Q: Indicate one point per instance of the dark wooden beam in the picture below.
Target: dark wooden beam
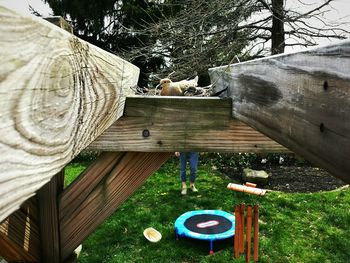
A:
(20, 234)
(165, 124)
(300, 100)
(49, 221)
(96, 194)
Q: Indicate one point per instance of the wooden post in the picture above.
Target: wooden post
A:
(49, 222)
(248, 233)
(241, 242)
(256, 233)
(237, 231)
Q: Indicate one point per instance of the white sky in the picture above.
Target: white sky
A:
(22, 6)
(341, 11)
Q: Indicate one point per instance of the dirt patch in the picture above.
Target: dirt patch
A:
(301, 179)
(294, 179)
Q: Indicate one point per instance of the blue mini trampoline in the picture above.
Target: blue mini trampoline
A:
(208, 225)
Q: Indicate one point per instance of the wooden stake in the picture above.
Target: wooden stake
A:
(256, 233)
(237, 230)
(248, 234)
(241, 242)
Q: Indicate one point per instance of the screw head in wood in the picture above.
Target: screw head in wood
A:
(145, 133)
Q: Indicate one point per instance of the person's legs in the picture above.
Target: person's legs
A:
(183, 161)
(193, 170)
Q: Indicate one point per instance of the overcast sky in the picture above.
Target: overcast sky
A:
(342, 6)
(22, 6)
(340, 12)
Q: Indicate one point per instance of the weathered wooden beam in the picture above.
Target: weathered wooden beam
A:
(20, 234)
(165, 124)
(96, 194)
(57, 94)
(49, 221)
(300, 100)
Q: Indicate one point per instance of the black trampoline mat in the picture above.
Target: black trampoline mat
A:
(208, 224)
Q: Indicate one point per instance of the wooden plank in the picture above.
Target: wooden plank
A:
(300, 100)
(11, 252)
(57, 94)
(49, 221)
(83, 208)
(182, 124)
(20, 234)
(87, 181)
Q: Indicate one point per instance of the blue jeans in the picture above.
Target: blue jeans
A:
(192, 157)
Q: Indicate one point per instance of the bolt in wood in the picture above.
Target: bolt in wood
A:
(145, 133)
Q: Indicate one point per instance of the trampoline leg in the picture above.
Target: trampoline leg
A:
(211, 252)
(176, 235)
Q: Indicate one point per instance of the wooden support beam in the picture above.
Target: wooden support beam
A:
(96, 194)
(57, 94)
(165, 124)
(300, 100)
(49, 221)
(20, 234)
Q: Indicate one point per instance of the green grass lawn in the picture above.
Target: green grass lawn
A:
(293, 227)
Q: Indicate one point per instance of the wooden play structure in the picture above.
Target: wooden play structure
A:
(61, 95)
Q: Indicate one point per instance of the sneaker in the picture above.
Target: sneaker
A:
(194, 189)
(184, 191)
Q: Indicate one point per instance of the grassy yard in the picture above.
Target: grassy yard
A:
(293, 227)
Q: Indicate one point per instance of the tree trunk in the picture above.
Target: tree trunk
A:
(277, 36)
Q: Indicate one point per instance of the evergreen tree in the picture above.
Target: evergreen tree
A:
(114, 26)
